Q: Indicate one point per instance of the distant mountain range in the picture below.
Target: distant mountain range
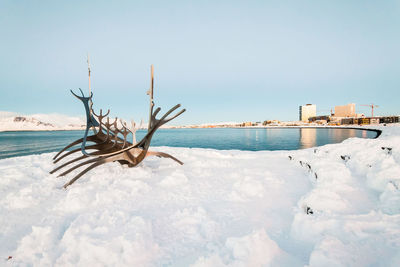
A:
(10, 121)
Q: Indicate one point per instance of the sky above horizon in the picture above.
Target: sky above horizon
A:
(222, 60)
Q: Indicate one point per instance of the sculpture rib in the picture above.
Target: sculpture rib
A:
(79, 165)
(67, 163)
(83, 172)
(163, 155)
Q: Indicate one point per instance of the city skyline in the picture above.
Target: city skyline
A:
(225, 61)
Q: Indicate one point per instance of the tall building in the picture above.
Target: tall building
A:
(348, 110)
(307, 111)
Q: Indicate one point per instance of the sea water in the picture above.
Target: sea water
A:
(14, 144)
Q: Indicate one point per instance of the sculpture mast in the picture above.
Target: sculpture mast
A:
(90, 90)
(150, 93)
(90, 95)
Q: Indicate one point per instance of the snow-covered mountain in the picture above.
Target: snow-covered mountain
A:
(10, 121)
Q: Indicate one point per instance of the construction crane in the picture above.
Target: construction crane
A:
(372, 106)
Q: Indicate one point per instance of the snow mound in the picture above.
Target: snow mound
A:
(336, 205)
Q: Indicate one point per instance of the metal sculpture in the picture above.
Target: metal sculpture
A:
(110, 141)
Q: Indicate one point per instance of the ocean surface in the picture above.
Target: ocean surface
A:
(13, 144)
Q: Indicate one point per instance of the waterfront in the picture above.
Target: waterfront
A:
(13, 144)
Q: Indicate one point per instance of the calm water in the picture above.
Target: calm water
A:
(25, 143)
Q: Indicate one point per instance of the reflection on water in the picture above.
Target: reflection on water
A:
(364, 134)
(25, 143)
(308, 137)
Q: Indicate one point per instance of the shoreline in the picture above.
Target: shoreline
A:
(366, 127)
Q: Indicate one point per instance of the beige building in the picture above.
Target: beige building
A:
(348, 110)
(307, 111)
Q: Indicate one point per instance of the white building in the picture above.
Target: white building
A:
(307, 111)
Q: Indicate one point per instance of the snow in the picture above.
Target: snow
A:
(10, 121)
(221, 208)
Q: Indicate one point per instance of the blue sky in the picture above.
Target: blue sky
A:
(222, 60)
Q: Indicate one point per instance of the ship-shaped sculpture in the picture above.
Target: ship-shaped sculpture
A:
(109, 139)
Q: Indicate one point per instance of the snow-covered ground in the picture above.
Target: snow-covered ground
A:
(10, 121)
(335, 205)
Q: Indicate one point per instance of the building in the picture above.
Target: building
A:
(389, 119)
(370, 120)
(326, 118)
(307, 111)
(348, 110)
